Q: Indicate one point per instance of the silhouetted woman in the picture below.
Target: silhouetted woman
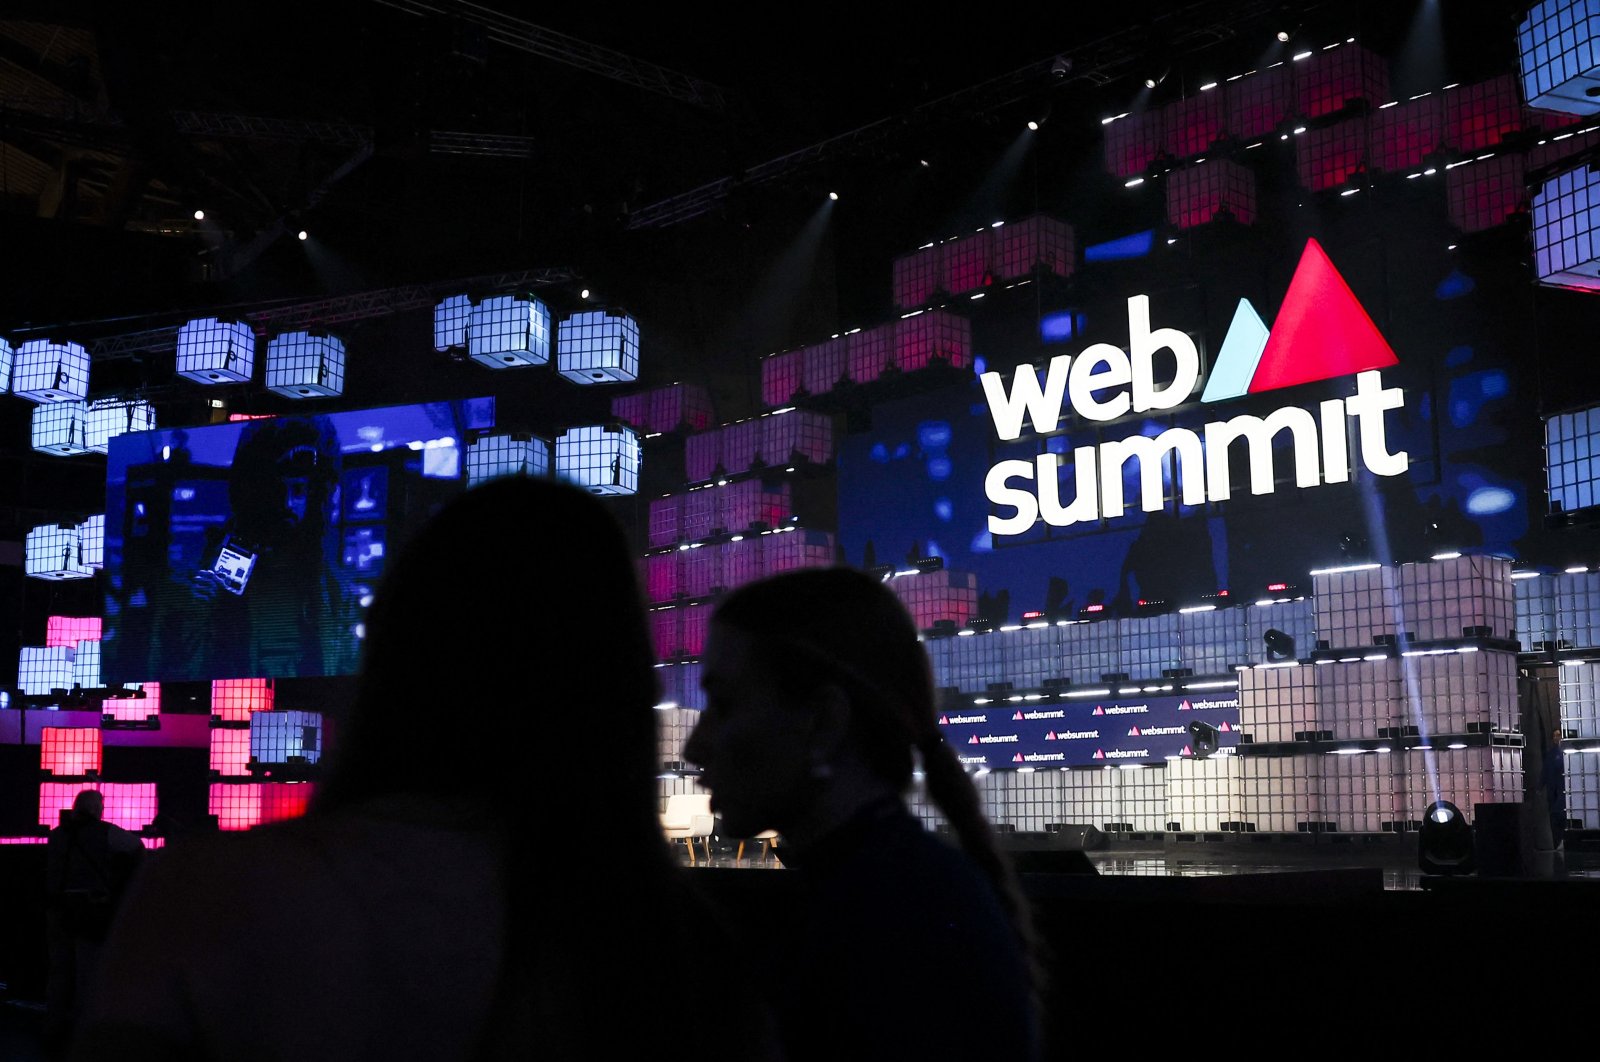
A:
(483, 873)
(819, 699)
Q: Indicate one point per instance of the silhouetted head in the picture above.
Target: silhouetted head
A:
(285, 478)
(88, 806)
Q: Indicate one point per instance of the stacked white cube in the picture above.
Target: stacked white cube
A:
(1149, 645)
(1296, 618)
(280, 736)
(1088, 796)
(1022, 800)
(673, 727)
(1443, 599)
(111, 417)
(1141, 798)
(452, 319)
(1460, 693)
(507, 454)
(46, 371)
(1202, 795)
(1213, 642)
(55, 551)
(1280, 794)
(509, 332)
(1566, 214)
(1355, 608)
(1577, 597)
(306, 365)
(1033, 654)
(1487, 774)
(1089, 650)
(92, 536)
(212, 351)
(41, 670)
(7, 359)
(1580, 700)
(1559, 55)
(978, 660)
(1279, 703)
(598, 347)
(1357, 700)
(61, 428)
(1536, 611)
(1583, 789)
(1357, 790)
(86, 665)
(601, 459)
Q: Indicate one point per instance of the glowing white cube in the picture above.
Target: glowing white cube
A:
(305, 365)
(51, 372)
(92, 536)
(111, 417)
(513, 454)
(508, 332)
(40, 670)
(451, 321)
(1558, 47)
(1566, 213)
(61, 428)
(211, 351)
(286, 737)
(86, 665)
(7, 356)
(55, 552)
(598, 347)
(602, 460)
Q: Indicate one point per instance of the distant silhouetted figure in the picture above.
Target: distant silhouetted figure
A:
(818, 695)
(471, 883)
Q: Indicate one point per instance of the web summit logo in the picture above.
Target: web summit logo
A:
(1322, 332)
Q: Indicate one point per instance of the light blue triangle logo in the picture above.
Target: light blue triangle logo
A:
(1239, 357)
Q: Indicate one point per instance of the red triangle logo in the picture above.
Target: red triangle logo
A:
(1050, 736)
(1185, 706)
(1225, 728)
(1322, 331)
(1187, 751)
(1133, 732)
(944, 720)
(1099, 755)
(1018, 758)
(1018, 715)
(1099, 710)
(973, 740)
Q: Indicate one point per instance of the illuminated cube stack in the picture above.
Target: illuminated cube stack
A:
(702, 570)
(1089, 797)
(934, 336)
(1559, 56)
(1572, 443)
(916, 278)
(1327, 80)
(678, 406)
(55, 551)
(86, 665)
(1278, 703)
(1536, 611)
(702, 455)
(632, 410)
(1580, 700)
(235, 700)
(1280, 794)
(69, 752)
(969, 262)
(663, 576)
(1297, 619)
(680, 684)
(1465, 777)
(1037, 244)
(797, 549)
(230, 752)
(1089, 650)
(602, 460)
(666, 632)
(598, 347)
(212, 351)
(45, 371)
(1358, 790)
(1460, 693)
(743, 562)
(1196, 195)
(452, 320)
(1577, 598)
(1480, 115)
(70, 630)
(673, 727)
(1141, 798)
(1556, 148)
(1259, 103)
(826, 363)
(41, 670)
(1021, 799)
(506, 454)
(798, 436)
(1132, 143)
(111, 417)
(61, 429)
(1360, 699)
(946, 596)
(131, 805)
(702, 513)
(285, 738)
(742, 443)
(1486, 193)
(1149, 645)
(509, 332)
(134, 711)
(1211, 643)
(666, 521)
(1354, 608)
(1331, 156)
(7, 359)
(696, 623)
(306, 365)
(1402, 134)
(870, 352)
(1203, 795)
(92, 536)
(750, 503)
(242, 805)
(1565, 251)
(1583, 790)
(1463, 597)
(1192, 125)
(976, 661)
(1033, 654)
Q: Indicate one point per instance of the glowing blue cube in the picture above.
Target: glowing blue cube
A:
(602, 460)
(51, 372)
(7, 357)
(41, 670)
(1560, 57)
(1565, 249)
(452, 319)
(598, 347)
(305, 365)
(92, 536)
(513, 454)
(211, 351)
(111, 417)
(282, 737)
(509, 332)
(86, 665)
(1572, 459)
(61, 428)
(55, 551)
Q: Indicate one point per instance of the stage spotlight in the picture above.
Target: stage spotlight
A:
(1280, 646)
(1202, 739)
(1061, 67)
(834, 196)
(584, 294)
(1445, 844)
(1033, 127)
(1283, 36)
(301, 234)
(199, 215)
(1150, 82)
(924, 162)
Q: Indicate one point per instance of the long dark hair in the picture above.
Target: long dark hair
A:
(839, 625)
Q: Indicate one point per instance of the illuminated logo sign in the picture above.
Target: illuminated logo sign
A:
(1127, 709)
(979, 760)
(1058, 714)
(1124, 754)
(991, 739)
(948, 720)
(1160, 731)
(1322, 332)
(1039, 757)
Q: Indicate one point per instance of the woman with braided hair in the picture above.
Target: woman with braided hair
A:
(819, 701)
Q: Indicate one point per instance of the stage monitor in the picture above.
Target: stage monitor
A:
(253, 548)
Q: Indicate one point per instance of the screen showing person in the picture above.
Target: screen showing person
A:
(251, 548)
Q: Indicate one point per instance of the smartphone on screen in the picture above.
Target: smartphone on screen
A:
(233, 566)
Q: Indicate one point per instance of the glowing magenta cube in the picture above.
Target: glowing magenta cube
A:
(781, 377)
(1486, 193)
(1330, 156)
(135, 709)
(1326, 81)
(1132, 143)
(632, 410)
(230, 752)
(1193, 125)
(69, 752)
(678, 406)
(969, 262)
(666, 521)
(1035, 244)
(663, 576)
(871, 352)
(798, 435)
(826, 363)
(68, 631)
(741, 445)
(1480, 115)
(666, 632)
(131, 805)
(1402, 135)
(702, 513)
(239, 806)
(233, 700)
(1198, 194)
(1258, 104)
(934, 336)
(916, 280)
(702, 455)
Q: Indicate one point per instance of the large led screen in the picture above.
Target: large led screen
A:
(253, 548)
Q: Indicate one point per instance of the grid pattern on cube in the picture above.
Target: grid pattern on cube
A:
(1536, 612)
(1358, 699)
(933, 336)
(1037, 243)
(286, 737)
(40, 669)
(1559, 147)
(1572, 459)
(69, 752)
(1354, 608)
(680, 685)
(1330, 156)
(673, 727)
(1328, 80)
(696, 622)
(870, 352)
(234, 700)
(1142, 798)
(663, 576)
(1277, 794)
(781, 377)
(941, 656)
(598, 347)
(1024, 800)
(701, 512)
(799, 434)
(1278, 704)
(666, 521)
(1459, 693)
(1358, 791)
(1132, 143)
(1090, 797)
(241, 805)
(916, 278)
(1480, 115)
(702, 570)
(1487, 193)
(1203, 794)
(741, 444)
(1211, 643)
(1577, 597)
(509, 332)
(1443, 599)
(750, 502)
(135, 709)
(7, 359)
(1032, 654)
(946, 596)
(51, 372)
(1465, 777)
(1297, 619)
(516, 454)
(92, 536)
(211, 351)
(1259, 103)
(86, 665)
(452, 317)
(1580, 700)
(702, 455)
(1583, 789)
(679, 406)
(826, 363)
(794, 550)
(1089, 650)
(1149, 645)
(110, 417)
(1192, 125)
(969, 262)
(61, 429)
(1402, 135)
(1197, 194)
(1557, 52)
(230, 752)
(131, 805)
(305, 365)
(976, 661)
(70, 630)
(632, 410)
(666, 632)
(1564, 220)
(601, 460)
(743, 562)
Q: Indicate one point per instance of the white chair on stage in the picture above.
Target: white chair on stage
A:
(688, 816)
